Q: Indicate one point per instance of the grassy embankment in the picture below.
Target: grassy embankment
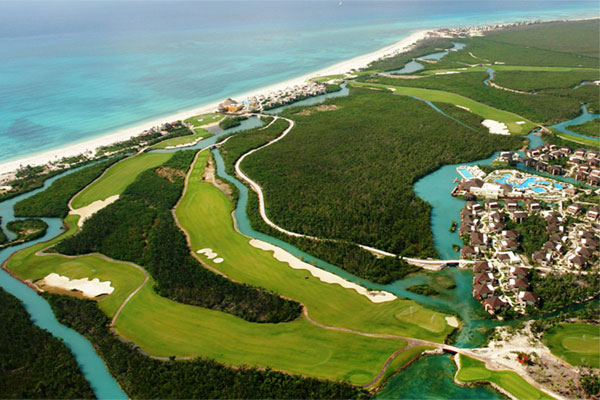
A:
(473, 371)
(118, 177)
(576, 343)
(163, 327)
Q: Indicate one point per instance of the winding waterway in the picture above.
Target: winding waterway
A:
(585, 116)
(92, 366)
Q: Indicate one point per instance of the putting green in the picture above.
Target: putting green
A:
(199, 133)
(481, 109)
(118, 177)
(475, 371)
(204, 119)
(577, 343)
(205, 214)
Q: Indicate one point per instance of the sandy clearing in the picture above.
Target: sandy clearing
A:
(92, 208)
(89, 288)
(452, 321)
(322, 275)
(464, 108)
(495, 127)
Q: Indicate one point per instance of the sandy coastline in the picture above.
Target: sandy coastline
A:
(124, 134)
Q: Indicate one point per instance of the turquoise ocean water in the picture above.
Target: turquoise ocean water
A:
(74, 70)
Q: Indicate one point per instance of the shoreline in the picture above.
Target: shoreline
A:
(90, 145)
(343, 67)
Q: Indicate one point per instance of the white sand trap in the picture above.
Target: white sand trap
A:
(520, 122)
(209, 253)
(464, 108)
(324, 276)
(89, 288)
(218, 260)
(452, 321)
(91, 209)
(495, 127)
(392, 89)
(447, 73)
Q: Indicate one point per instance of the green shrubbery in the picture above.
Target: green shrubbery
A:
(143, 377)
(348, 174)
(33, 363)
(231, 122)
(139, 227)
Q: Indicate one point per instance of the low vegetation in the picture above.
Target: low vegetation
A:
(143, 377)
(532, 232)
(139, 227)
(590, 128)
(33, 363)
(424, 47)
(3, 237)
(28, 229)
(543, 107)
(360, 189)
(231, 122)
(424, 290)
(54, 201)
(147, 140)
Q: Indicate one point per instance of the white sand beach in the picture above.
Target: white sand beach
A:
(124, 134)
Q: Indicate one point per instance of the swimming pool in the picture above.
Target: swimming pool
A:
(526, 184)
(465, 173)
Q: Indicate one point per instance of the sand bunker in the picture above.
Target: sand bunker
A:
(495, 127)
(464, 108)
(91, 209)
(452, 321)
(89, 288)
(520, 122)
(324, 276)
(210, 254)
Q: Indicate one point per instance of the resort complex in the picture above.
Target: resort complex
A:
(415, 224)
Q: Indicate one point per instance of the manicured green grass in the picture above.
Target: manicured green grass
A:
(590, 128)
(204, 119)
(483, 110)
(475, 371)
(327, 78)
(163, 327)
(184, 140)
(539, 68)
(118, 177)
(205, 214)
(577, 343)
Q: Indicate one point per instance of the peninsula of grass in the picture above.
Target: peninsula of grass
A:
(588, 142)
(54, 201)
(402, 361)
(590, 128)
(424, 290)
(33, 363)
(474, 371)
(577, 343)
(231, 122)
(118, 177)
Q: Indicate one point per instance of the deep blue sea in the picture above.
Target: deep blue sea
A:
(73, 70)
